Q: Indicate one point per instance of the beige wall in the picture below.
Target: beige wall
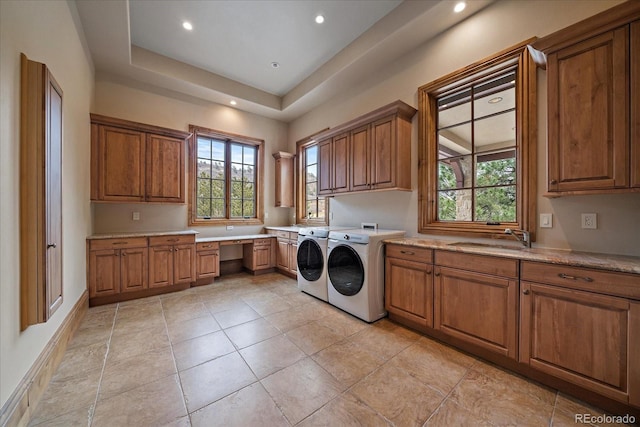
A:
(503, 24)
(45, 32)
(136, 104)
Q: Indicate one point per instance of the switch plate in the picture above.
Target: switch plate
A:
(229, 227)
(590, 221)
(546, 220)
(136, 216)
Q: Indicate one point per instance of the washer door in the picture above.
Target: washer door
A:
(310, 260)
(345, 270)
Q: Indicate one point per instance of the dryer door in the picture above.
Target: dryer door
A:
(345, 270)
(310, 260)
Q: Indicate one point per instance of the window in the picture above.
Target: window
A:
(311, 208)
(225, 178)
(477, 148)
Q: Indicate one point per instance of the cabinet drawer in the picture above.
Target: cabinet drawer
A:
(281, 234)
(481, 263)
(262, 242)
(604, 282)
(410, 253)
(236, 242)
(293, 236)
(207, 246)
(171, 240)
(100, 244)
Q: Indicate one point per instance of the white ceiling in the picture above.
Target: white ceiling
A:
(228, 54)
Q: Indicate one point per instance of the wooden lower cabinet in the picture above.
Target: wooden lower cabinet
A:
(112, 271)
(133, 269)
(260, 255)
(207, 260)
(474, 305)
(409, 284)
(286, 252)
(170, 265)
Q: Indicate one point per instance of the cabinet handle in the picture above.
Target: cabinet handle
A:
(172, 240)
(119, 243)
(207, 246)
(526, 292)
(407, 252)
(428, 271)
(123, 254)
(437, 274)
(553, 182)
(566, 276)
(51, 245)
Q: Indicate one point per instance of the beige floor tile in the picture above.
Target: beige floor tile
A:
(432, 368)
(192, 328)
(78, 360)
(450, 414)
(181, 313)
(77, 417)
(90, 335)
(571, 405)
(140, 309)
(140, 301)
(347, 362)
(447, 352)
(344, 411)
(126, 345)
(251, 333)
(180, 422)
(206, 383)
(289, 319)
(342, 323)
(251, 406)
(219, 304)
(180, 299)
(234, 317)
(66, 395)
(198, 350)
(398, 396)
(313, 337)
(274, 304)
(500, 402)
(382, 343)
(136, 371)
(296, 299)
(271, 355)
(138, 323)
(156, 403)
(99, 317)
(301, 389)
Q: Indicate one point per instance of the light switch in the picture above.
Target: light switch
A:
(136, 216)
(546, 220)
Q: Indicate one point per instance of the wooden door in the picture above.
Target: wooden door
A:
(383, 155)
(121, 164)
(133, 269)
(53, 197)
(409, 290)
(282, 255)
(261, 256)
(325, 167)
(160, 266)
(104, 272)
(635, 104)
(164, 169)
(588, 339)
(360, 159)
(588, 87)
(184, 263)
(207, 264)
(293, 257)
(340, 157)
(478, 308)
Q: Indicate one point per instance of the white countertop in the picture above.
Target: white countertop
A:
(140, 234)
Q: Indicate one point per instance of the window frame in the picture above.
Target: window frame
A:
(526, 144)
(301, 184)
(228, 138)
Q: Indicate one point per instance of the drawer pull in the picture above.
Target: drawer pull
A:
(173, 240)
(407, 252)
(51, 245)
(526, 292)
(566, 276)
(207, 246)
(119, 243)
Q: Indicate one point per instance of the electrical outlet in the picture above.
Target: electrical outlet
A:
(546, 220)
(136, 216)
(229, 227)
(589, 220)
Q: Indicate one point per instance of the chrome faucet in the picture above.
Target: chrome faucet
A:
(525, 239)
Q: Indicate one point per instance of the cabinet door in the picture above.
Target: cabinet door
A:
(160, 266)
(478, 308)
(360, 159)
(293, 257)
(165, 169)
(325, 167)
(282, 255)
(208, 264)
(340, 163)
(409, 290)
(635, 104)
(104, 272)
(588, 85)
(284, 180)
(588, 339)
(121, 158)
(261, 257)
(383, 143)
(133, 269)
(184, 263)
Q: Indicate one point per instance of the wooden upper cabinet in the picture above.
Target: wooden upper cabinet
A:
(592, 77)
(372, 152)
(284, 179)
(134, 162)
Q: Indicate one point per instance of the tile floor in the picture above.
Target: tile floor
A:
(254, 351)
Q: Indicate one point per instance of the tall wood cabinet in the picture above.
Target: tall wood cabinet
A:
(284, 179)
(41, 140)
(372, 152)
(593, 107)
(134, 162)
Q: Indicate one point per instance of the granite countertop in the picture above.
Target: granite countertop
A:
(619, 263)
(225, 238)
(293, 228)
(140, 234)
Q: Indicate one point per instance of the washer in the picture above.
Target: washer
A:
(312, 260)
(355, 271)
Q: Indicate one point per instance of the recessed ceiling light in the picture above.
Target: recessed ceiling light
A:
(459, 7)
(187, 25)
(319, 19)
(495, 100)
(232, 102)
(275, 65)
